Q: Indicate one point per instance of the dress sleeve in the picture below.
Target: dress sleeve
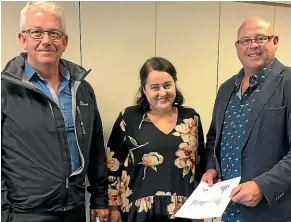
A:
(116, 154)
(201, 166)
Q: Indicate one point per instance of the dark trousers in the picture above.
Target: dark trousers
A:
(74, 215)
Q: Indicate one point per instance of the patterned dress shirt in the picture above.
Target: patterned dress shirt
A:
(234, 128)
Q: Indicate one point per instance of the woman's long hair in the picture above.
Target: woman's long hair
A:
(157, 64)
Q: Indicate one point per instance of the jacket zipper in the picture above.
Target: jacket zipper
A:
(66, 194)
(80, 117)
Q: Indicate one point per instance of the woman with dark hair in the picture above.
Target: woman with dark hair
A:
(155, 152)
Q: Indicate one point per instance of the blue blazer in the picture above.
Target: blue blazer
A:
(266, 154)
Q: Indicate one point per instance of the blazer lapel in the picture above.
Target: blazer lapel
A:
(272, 81)
(225, 97)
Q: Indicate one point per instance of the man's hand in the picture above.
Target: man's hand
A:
(210, 177)
(101, 214)
(248, 194)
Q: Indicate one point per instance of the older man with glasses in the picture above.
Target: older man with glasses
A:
(250, 132)
(51, 128)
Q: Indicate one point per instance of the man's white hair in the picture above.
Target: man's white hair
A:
(47, 6)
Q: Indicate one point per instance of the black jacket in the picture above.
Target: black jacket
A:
(36, 166)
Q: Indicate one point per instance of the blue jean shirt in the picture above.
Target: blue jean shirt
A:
(64, 102)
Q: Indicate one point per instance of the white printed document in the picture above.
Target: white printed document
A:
(208, 202)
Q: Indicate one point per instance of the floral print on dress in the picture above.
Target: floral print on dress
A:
(186, 159)
(163, 193)
(125, 191)
(112, 163)
(144, 204)
(175, 205)
(114, 197)
(145, 118)
(133, 184)
(151, 160)
(188, 131)
(187, 152)
(126, 161)
(118, 192)
(137, 146)
(122, 125)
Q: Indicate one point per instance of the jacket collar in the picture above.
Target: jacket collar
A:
(273, 77)
(15, 68)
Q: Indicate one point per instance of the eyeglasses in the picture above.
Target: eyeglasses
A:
(258, 40)
(38, 33)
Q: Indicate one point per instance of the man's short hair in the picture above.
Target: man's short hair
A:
(47, 6)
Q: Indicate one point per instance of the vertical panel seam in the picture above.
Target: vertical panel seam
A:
(217, 64)
(80, 35)
(156, 18)
(274, 17)
(218, 49)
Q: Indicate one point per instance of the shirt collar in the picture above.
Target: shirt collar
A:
(64, 71)
(238, 79)
(256, 79)
(30, 72)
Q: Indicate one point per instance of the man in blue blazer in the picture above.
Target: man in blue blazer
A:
(250, 132)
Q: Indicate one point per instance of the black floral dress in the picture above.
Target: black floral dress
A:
(151, 174)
